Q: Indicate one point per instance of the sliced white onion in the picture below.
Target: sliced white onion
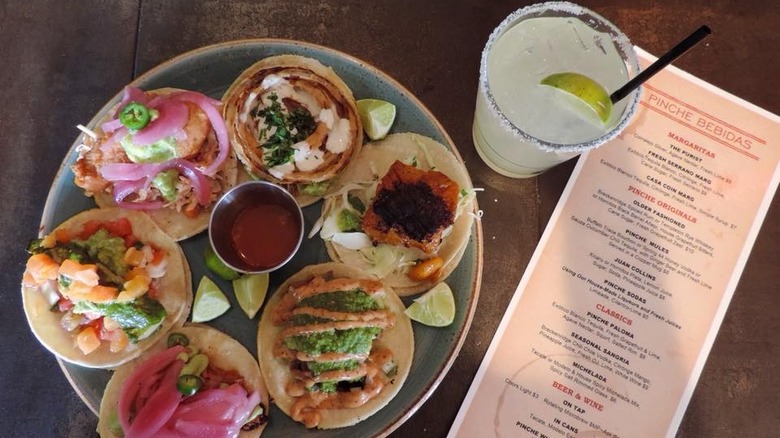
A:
(353, 241)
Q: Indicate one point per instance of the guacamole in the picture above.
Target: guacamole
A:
(158, 152)
(315, 188)
(348, 220)
(165, 182)
(106, 249)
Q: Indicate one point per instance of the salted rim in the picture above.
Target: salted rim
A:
(620, 39)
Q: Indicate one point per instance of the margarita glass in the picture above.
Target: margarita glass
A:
(522, 128)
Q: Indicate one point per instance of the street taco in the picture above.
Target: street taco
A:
(197, 382)
(334, 345)
(403, 212)
(294, 122)
(104, 286)
(163, 151)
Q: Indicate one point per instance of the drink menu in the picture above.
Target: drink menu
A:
(613, 320)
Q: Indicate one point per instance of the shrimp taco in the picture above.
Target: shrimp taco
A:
(293, 121)
(104, 286)
(163, 151)
(403, 212)
(198, 382)
(334, 345)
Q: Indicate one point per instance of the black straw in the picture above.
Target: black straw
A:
(661, 62)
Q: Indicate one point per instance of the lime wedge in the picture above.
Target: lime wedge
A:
(377, 116)
(250, 292)
(435, 308)
(217, 266)
(585, 89)
(209, 301)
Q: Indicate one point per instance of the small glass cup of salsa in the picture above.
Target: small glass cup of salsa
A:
(256, 227)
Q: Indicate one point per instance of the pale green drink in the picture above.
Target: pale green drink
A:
(522, 128)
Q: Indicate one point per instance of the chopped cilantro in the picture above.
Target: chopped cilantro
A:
(303, 319)
(322, 367)
(291, 126)
(356, 340)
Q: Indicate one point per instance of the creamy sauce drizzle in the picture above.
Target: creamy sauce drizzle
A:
(334, 134)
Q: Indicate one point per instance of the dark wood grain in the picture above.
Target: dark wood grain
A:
(62, 60)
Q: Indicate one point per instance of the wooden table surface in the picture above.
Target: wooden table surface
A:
(61, 61)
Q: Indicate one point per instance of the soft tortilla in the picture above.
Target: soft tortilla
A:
(373, 163)
(399, 339)
(223, 351)
(174, 293)
(244, 138)
(178, 225)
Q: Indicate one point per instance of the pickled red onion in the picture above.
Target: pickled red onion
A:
(209, 106)
(111, 126)
(217, 412)
(159, 407)
(160, 410)
(139, 176)
(139, 378)
(172, 117)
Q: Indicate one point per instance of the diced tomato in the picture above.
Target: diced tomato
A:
(120, 227)
(87, 340)
(64, 304)
(90, 228)
(158, 255)
(152, 292)
(97, 323)
(130, 240)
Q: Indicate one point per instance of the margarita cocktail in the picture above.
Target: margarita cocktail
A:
(521, 127)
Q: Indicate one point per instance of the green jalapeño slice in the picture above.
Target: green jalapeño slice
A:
(135, 116)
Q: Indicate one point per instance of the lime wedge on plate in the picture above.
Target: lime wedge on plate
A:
(209, 301)
(217, 266)
(435, 308)
(585, 89)
(250, 292)
(377, 116)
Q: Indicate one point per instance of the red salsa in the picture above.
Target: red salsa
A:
(264, 235)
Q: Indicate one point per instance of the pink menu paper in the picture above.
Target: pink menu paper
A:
(612, 322)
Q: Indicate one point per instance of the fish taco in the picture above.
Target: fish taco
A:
(403, 212)
(334, 345)
(197, 382)
(104, 286)
(165, 152)
(293, 121)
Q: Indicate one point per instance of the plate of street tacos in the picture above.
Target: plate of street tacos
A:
(285, 113)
